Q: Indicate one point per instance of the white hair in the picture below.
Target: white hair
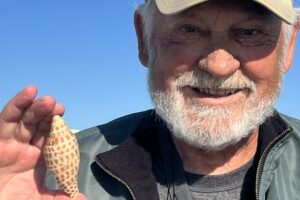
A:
(287, 31)
(148, 13)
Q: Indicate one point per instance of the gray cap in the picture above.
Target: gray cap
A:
(282, 8)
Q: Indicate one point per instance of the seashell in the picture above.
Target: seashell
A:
(61, 154)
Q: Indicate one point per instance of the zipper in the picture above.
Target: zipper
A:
(116, 177)
(263, 159)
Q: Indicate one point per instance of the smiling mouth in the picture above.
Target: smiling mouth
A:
(210, 92)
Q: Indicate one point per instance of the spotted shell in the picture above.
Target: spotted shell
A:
(61, 156)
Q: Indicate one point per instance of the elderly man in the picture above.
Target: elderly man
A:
(215, 73)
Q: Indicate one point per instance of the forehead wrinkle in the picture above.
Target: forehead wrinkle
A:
(188, 15)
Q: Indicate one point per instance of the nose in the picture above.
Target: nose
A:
(219, 63)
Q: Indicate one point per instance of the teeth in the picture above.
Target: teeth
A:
(216, 91)
(213, 91)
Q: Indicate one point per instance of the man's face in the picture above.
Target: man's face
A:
(216, 71)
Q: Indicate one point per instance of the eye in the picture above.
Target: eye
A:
(189, 29)
(249, 36)
(247, 33)
(190, 32)
(250, 32)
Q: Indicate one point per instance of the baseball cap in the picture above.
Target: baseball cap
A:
(282, 8)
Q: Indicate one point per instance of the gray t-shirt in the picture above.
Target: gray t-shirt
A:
(230, 186)
(235, 185)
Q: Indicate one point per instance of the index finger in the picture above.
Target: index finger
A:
(14, 109)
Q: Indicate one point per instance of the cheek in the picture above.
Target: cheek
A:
(261, 64)
(261, 71)
(179, 55)
(265, 73)
(171, 62)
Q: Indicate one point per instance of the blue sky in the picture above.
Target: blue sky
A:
(85, 54)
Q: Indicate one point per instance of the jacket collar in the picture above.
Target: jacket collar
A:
(132, 160)
(136, 154)
(269, 130)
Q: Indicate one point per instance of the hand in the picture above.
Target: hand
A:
(24, 124)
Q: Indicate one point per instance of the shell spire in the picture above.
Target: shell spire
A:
(61, 155)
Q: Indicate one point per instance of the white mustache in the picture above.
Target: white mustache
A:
(204, 81)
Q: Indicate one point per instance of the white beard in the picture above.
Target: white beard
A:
(206, 127)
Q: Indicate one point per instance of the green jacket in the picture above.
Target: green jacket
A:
(124, 158)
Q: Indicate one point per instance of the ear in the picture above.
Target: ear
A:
(142, 47)
(291, 47)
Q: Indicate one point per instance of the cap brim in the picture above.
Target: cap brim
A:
(283, 8)
(284, 11)
(169, 7)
